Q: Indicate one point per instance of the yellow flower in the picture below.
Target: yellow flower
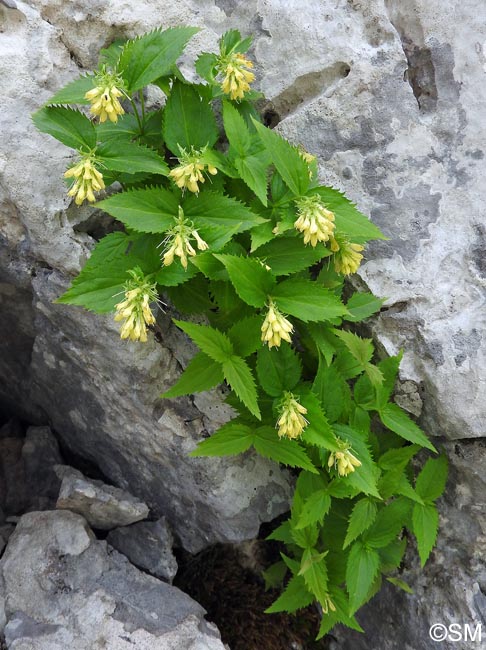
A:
(135, 309)
(347, 256)
(275, 327)
(87, 180)
(344, 461)
(314, 220)
(178, 241)
(328, 605)
(291, 421)
(237, 76)
(307, 158)
(190, 172)
(104, 100)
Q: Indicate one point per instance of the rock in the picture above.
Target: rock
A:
(148, 545)
(65, 589)
(12, 429)
(5, 531)
(103, 506)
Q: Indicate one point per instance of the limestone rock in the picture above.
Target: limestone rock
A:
(64, 589)
(148, 545)
(103, 506)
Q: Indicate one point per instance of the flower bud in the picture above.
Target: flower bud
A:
(276, 327)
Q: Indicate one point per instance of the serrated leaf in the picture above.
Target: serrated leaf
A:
(274, 575)
(236, 130)
(210, 340)
(253, 171)
(361, 306)
(246, 335)
(333, 392)
(206, 66)
(398, 421)
(401, 584)
(307, 300)
(67, 125)
(285, 451)
(388, 523)
(365, 476)
(282, 533)
(188, 120)
(361, 349)
(431, 481)
(362, 516)
(315, 508)
(278, 370)
(324, 340)
(286, 255)
(261, 235)
(391, 556)
(252, 282)
(348, 219)
(175, 275)
(130, 158)
(314, 571)
(229, 440)
(341, 615)
(153, 55)
(146, 210)
(291, 167)
(398, 458)
(202, 373)
(74, 92)
(294, 597)
(318, 431)
(425, 523)
(239, 376)
(389, 369)
(361, 571)
(190, 297)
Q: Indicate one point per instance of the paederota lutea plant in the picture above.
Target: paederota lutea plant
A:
(224, 218)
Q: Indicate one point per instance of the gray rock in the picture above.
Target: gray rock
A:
(148, 545)
(65, 589)
(103, 506)
(12, 429)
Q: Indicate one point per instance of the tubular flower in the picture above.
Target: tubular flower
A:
(275, 327)
(238, 77)
(343, 460)
(328, 605)
(135, 310)
(307, 158)
(178, 242)
(291, 421)
(190, 172)
(347, 257)
(314, 220)
(87, 180)
(105, 96)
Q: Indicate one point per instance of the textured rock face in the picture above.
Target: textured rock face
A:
(390, 96)
(64, 589)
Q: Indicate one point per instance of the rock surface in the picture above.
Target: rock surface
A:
(148, 545)
(103, 506)
(65, 589)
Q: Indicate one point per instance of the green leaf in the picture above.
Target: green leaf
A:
(291, 167)
(188, 120)
(315, 508)
(286, 255)
(362, 516)
(425, 523)
(361, 306)
(361, 349)
(398, 421)
(361, 571)
(211, 341)
(147, 210)
(389, 369)
(252, 282)
(239, 376)
(153, 55)
(67, 125)
(324, 340)
(307, 300)
(278, 370)
(398, 458)
(285, 451)
(175, 275)
(389, 522)
(130, 158)
(431, 481)
(246, 335)
(391, 556)
(365, 476)
(193, 296)
(229, 440)
(318, 432)
(294, 597)
(282, 533)
(341, 615)
(74, 92)
(332, 390)
(314, 571)
(236, 130)
(253, 171)
(401, 584)
(349, 221)
(202, 373)
(261, 235)
(206, 66)
(274, 575)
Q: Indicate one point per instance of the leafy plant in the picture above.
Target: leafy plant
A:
(232, 224)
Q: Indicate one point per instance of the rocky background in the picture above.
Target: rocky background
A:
(390, 95)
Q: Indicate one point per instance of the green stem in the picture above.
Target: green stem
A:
(142, 104)
(135, 110)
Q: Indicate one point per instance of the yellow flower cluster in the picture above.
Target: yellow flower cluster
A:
(314, 220)
(178, 242)
(238, 77)
(291, 421)
(190, 172)
(104, 101)
(275, 327)
(347, 257)
(87, 180)
(344, 461)
(135, 310)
